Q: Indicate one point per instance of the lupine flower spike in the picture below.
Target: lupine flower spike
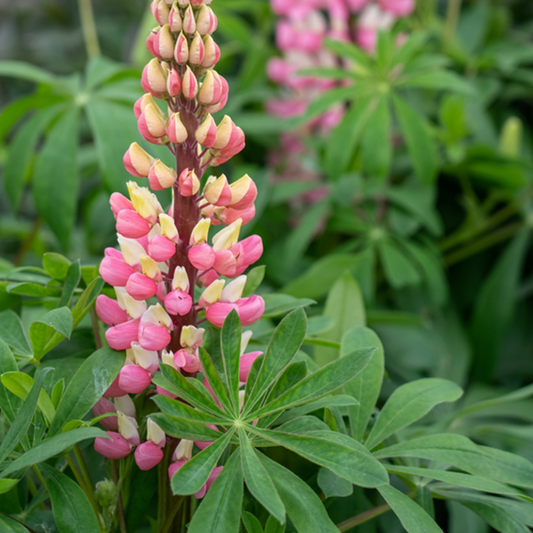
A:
(164, 253)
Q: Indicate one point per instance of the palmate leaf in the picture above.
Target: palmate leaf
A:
(12, 332)
(41, 331)
(179, 409)
(9, 403)
(342, 455)
(230, 338)
(318, 384)
(184, 428)
(191, 477)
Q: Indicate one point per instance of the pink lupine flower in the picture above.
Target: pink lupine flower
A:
(133, 379)
(131, 224)
(119, 202)
(202, 256)
(121, 336)
(109, 311)
(249, 310)
(148, 455)
(174, 467)
(115, 271)
(245, 364)
(114, 391)
(102, 407)
(117, 448)
(210, 480)
(160, 248)
(178, 303)
(141, 287)
(399, 8)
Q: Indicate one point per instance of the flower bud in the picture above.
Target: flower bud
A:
(189, 183)
(118, 202)
(228, 216)
(114, 391)
(115, 271)
(161, 249)
(133, 379)
(158, 316)
(137, 161)
(200, 232)
(163, 43)
(202, 256)
(146, 359)
(152, 122)
(132, 225)
(125, 405)
(183, 3)
(197, 51)
(153, 337)
(206, 134)
(181, 51)
(211, 89)
(191, 336)
(155, 434)
(160, 11)
(110, 312)
(154, 78)
(174, 467)
(178, 303)
(174, 83)
(226, 133)
(183, 450)
(189, 21)
(148, 456)
(168, 228)
(217, 191)
(190, 84)
(128, 428)
(180, 280)
(161, 177)
(249, 310)
(174, 19)
(167, 358)
(116, 448)
(243, 193)
(233, 291)
(176, 131)
(206, 21)
(227, 237)
(206, 279)
(223, 100)
(150, 40)
(102, 407)
(212, 294)
(141, 287)
(141, 104)
(120, 337)
(212, 53)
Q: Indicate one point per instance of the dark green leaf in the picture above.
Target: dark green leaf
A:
(440, 80)
(251, 523)
(13, 334)
(253, 280)
(399, 269)
(70, 284)
(333, 485)
(280, 304)
(214, 379)
(9, 404)
(10, 525)
(42, 331)
(376, 141)
(184, 428)
(178, 409)
(230, 338)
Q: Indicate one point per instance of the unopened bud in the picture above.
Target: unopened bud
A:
(154, 78)
(197, 50)
(243, 193)
(174, 18)
(188, 182)
(150, 40)
(189, 84)
(164, 43)
(226, 133)
(160, 11)
(211, 90)
(206, 134)
(137, 161)
(176, 130)
(141, 103)
(161, 177)
(174, 83)
(212, 52)
(189, 21)
(152, 122)
(206, 21)
(217, 191)
(181, 51)
(106, 493)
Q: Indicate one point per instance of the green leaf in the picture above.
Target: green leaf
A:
(254, 278)
(42, 331)
(350, 51)
(214, 379)
(86, 299)
(55, 183)
(490, 322)
(320, 383)
(70, 283)
(399, 269)
(10, 525)
(184, 428)
(220, 510)
(100, 69)
(32, 289)
(6, 485)
(230, 338)
(413, 518)
(280, 304)
(26, 71)
(324, 102)
(9, 404)
(13, 334)
(20, 384)
(409, 403)
(282, 348)
(258, 481)
(365, 387)
(498, 518)
(20, 153)
(87, 386)
(56, 265)
(334, 400)
(178, 409)
(461, 452)
(23, 419)
(50, 447)
(440, 80)
(251, 523)
(342, 455)
(72, 511)
(376, 143)
(421, 147)
(273, 526)
(190, 478)
(333, 485)
(304, 507)
(346, 307)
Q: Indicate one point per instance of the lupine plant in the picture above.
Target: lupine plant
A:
(200, 433)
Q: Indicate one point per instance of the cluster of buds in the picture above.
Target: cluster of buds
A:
(169, 275)
(300, 34)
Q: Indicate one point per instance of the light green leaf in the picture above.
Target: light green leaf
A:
(409, 403)
(220, 511)
(413, 518)
(230, 338)
(32, 289)
(251, 523)
(6, 485)
(9, 404)
(439, 80)
(10, 525)
(190, 478)
(87, 386)
(70, 283)
(333, 485)
(56, 265)
(280, 304)
(303, 506)
(72, 511)
(258, 481)
(26, 71)
(13, 334)
(42, 331)
(346, 307)
(254, 278)
(214, 379)
(86, 299)
(55, 183)
(365, 387)
(376, 143)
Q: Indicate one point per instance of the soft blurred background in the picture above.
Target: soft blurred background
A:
(403, 159)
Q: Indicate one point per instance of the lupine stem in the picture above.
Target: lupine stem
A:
(452, 17)
(120, 507)
(88, 27)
